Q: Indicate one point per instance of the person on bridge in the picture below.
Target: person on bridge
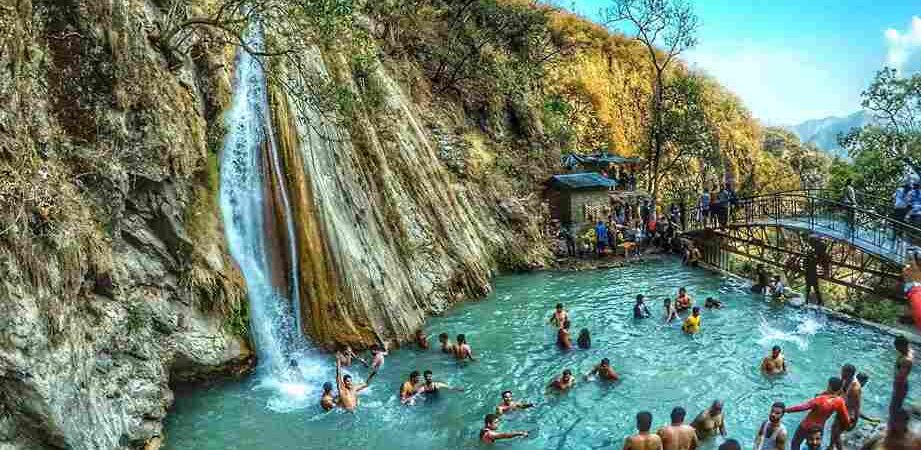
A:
(811, 267)
(900, 202)
(914, 203)
(850, 201)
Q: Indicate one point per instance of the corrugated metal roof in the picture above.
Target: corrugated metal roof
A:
(586, 180)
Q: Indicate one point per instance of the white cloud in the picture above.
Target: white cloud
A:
(904, 48)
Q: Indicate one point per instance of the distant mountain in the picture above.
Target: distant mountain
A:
(823, 133)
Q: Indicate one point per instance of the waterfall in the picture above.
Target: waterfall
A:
(248, 206)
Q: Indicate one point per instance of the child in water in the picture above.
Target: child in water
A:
(692, 323)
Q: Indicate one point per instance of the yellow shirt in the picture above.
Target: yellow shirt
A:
(691, 324)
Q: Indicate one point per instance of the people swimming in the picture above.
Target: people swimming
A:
(446, 345)
(684, 301)
(409, 388)
(345, 355)
(584, 341)
(421, 340)
(853, 393)
(430, 388)
(563, 338)
(678, 435)
(559, 316)
(772, 434)
(604, 371)
(348, 393)
(490, 431)
(640, 311)
(643, 440)
(774, 363)
(820, 409)
(692, 323)
(710, 421)
(563, 383)
(712, 303)
(327, 400)
(814, 438)
(508, 404)
(462, 349)
(670, 312)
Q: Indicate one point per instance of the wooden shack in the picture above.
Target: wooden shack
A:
(578, 198)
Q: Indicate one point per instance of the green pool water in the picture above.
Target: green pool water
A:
(660, 368)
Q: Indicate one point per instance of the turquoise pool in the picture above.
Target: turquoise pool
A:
(660, 368)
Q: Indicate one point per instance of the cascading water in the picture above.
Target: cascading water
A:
(283, 352)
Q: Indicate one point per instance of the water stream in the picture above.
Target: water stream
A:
(286, 364)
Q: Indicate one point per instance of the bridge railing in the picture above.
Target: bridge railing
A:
(813, 210)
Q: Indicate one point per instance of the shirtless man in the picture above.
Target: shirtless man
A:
(564, 383)
(678, 436)
(430, 387)
(462, 349)
(820, 409)
(409, 389)
(563, 338)
(327, 401)
(421, 340)
(345, 355)
(604, 371)
(509, 405)
(446, 345)
(774, 363)
(378, 353)
(903, 366)
(853, 391)
(772, 435)
(711, 420)
(490, 431)
(560, 316)
(644, 440)
(348, 394)
(684, 301)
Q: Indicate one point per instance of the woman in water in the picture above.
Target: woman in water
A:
(670, 312)
(585, 340)
(684, 301)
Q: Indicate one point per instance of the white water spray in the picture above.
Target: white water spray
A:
(284, 360)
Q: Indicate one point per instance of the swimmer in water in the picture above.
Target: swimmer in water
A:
(710, 421)
(431, 388)
(345, 355)
(462, 350)
(409, 389)
(563, 338)
(604, 371)
(508, 404)
(348, 393)
(559, 316)
(564, 383)
(640, 311)
(692, 323)
(327, 400)
(644, 440)
(678, 435)
(446, 345)
(490, 431)
(772, 435)
(684, 301)
(712, 303)
(584, 341)
(421, 340)
(774, 363)
(670, 312)
(814, 438)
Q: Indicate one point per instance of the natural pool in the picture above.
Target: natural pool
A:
(660, 368)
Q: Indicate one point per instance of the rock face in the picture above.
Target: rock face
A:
(115, 280)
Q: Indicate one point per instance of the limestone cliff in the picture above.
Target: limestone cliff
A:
(115, 280)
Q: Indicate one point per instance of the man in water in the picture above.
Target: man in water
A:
(684, 301)
(446, 345)
(378, 352)
(604, 371)
(644, 440)
(774, 364)
(348, 393)
(509, 405)
(421, 340)
(772, 435)
(430, 387)
(712, 303)
(563, 339)
(327, 401)
(678, 436)
(670, 312)
(559, 316)
(345, 355)
(711, 420)
(490, 431)
(730, 444)
(462, 350)
(820, 409)
(640, 311)
(852, 399)
(692, 323)
(903, 366)
(814, 438)
(409, 388)
(564, 383)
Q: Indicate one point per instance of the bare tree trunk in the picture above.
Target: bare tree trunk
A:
(656, 140)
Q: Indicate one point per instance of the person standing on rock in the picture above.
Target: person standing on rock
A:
(462, 350)
(348, 393)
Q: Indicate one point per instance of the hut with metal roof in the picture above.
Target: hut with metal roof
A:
(577, 199)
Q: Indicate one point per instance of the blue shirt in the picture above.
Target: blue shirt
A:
(601, 232)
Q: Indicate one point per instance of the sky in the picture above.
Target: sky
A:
(795, 60)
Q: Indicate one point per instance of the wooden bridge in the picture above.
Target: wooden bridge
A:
(858, 246)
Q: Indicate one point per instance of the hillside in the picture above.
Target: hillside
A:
(823, 133)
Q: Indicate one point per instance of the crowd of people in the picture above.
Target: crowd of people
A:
(841, 398)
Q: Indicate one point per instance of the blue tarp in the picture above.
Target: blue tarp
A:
(588, 180)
